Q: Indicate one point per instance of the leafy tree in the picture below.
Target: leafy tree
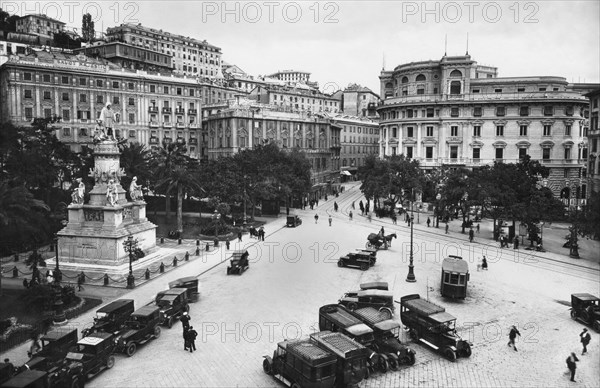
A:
(64, 40)
(87, 28)
(8, 22)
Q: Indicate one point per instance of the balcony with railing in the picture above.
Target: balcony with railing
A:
(153, 140)
(193, 141)
(167, 140)
(153, 124)
(194, 126)
(179, 125)
(166, 110)
(192, 112)
(179, 111)
(153, 109)
(168, 125)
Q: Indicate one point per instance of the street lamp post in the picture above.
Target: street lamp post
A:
(130, 245)
(411, 274)
(574, 249)
(216, 217)
(437, 210)
(245, 201)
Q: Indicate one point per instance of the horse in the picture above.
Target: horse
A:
(388, 238)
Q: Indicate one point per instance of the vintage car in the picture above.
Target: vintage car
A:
(59, 378)
(239, 263)
(455, 276)
(586, 308)
(172, 303)
(302, 363)
(6, 371)
(351, 367)
(293, 221)
(431, 325)
(110, 318)
(142, 326)
(378, 298)
(386, 333)
(338, 319)
(359, 260)
(368, 251)
(55, 345)
(92, 355)
(191, 283)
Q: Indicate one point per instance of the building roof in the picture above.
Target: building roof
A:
(139, 27)
(41, 16)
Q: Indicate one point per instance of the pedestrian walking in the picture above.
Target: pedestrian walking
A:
(394, 219)
(512, 336)
(382, 232)
(185, 320)
(571, 364)
(350, 215)
(477, 228)
(80, 280)
(227, 244)
(335, 206)
(428, 221)
(240, 236)
(516, 242)
(369, 217)
(484, 264)
(261, 234)
(330, 220)
(585, 340)
(316, 218)
(10, 368)
(192, 334)
(36, 344)
(471, 235)
(186, 341)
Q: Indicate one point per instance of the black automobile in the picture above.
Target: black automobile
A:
(586, 308)
(92, 355)
(110, 318)
(172, 303)
(191, 283)
(293, 221)
(55, 346)
(142, 326)
(362, 261)
(239, 263)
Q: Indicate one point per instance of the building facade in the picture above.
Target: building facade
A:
(359, 139)
(41, 26)
(149, 108)
(593, 168)
(457, 113)
(296, 98)
(241, 124)
(291, 76)
(358, 101)
(129, 56)
(191, 57)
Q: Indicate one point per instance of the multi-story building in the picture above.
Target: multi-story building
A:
(243, 123)
(8, 48)
(358, 101)
(455, 112)
(41, 26)
(239, 79)
(149, 108)
(593, 168)
(129, 56)
(291, 76)
(296, 98)
(190, 56)
(359, 139)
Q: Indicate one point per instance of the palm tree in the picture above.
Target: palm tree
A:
(21, 218)
(135, 159)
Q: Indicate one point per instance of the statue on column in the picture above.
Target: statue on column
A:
(107, 120)
(135, 190)
(78, 193)
(111, 193)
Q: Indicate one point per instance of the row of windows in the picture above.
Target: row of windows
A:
(498, 153)
(477, 111)
(371, 131)
(360, 149)
(100, 83)
(523, 131)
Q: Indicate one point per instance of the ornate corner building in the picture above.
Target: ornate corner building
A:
(454, 112)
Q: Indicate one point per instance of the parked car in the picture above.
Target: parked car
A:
(59, 378)
(142, 326)
(92, 355)
(378, 298)
(55, 346)
(302, 363)
(191, 283)
(239, 263)
(293, 221)
(172, 303)
(110, 318)
(431, 325)
(386, 333)
(585, 308)
(364, 262)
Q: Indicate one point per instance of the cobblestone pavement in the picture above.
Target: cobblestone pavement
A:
(241, 318)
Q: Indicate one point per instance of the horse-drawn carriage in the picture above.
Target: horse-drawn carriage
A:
(377, 241)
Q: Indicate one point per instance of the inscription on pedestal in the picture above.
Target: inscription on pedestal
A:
(127, 214)
(93, 215)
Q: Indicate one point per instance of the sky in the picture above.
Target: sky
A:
(344, 42)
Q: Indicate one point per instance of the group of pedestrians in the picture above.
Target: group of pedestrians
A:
(189, 334)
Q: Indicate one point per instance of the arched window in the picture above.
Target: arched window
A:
(456, 74)
(389, 85)
(404, 80)
(455, 87)
(420, 77)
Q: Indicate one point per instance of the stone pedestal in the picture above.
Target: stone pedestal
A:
(93, 238)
